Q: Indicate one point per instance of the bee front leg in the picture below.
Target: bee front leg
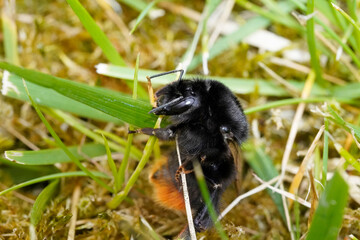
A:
(182, 169)
(161, 133)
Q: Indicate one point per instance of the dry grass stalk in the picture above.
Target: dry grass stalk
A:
(299, 175)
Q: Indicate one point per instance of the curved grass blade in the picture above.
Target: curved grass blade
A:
(62, 145)
(263, 166)
(13, 87)
(96, 33)
(328, 216)
(51, 177)
(42, 200)
(100, 38)
(116, 201)
(110, 102)
(111, 164)
(78, 125)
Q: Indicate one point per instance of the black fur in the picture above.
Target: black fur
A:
(203, 130)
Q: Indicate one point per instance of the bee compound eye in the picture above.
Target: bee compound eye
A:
(224, 129)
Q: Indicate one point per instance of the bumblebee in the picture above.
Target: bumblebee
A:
(206, 118)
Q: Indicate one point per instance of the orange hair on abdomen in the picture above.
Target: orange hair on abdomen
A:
(166, 193)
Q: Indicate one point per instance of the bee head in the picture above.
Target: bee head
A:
(176, 98)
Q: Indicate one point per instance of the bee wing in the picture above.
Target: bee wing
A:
(239, 163)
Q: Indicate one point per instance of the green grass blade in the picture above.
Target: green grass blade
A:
(263, 166)
(143, 14)
(206, 196)
(51, 177)
(351, 4)
(96, 33)
(201, 28)
(111, 164)
(347, 17)
(237, 85)
(52, 156)
(10, 32)
(350, 128)
(100, 38)
(346, 48)
(78, 125)
(276, 15)
(137, 5)
(13, 87)
(37, 210)
(134, 152)
(290, 101)
(325, 152)
(20, 173)
(350, 159)
(116, 201)
(124, 163)
(328, 216)
(311, 40)
(110, 102)
(225, 43)
(62, 145)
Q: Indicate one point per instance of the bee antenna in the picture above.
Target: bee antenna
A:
(170, 72)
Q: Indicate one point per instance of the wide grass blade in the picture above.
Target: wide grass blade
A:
(37, 210)
(57, 155)
(110, 102)
(20, 173)
(10, 32)
(311, 40)
(12, 86)
(62, 145)
(237, 85)
(263, 166)
(328, 216)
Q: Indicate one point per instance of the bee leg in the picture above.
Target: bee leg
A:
(161, 133)
(182, 169)
(202, 219)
